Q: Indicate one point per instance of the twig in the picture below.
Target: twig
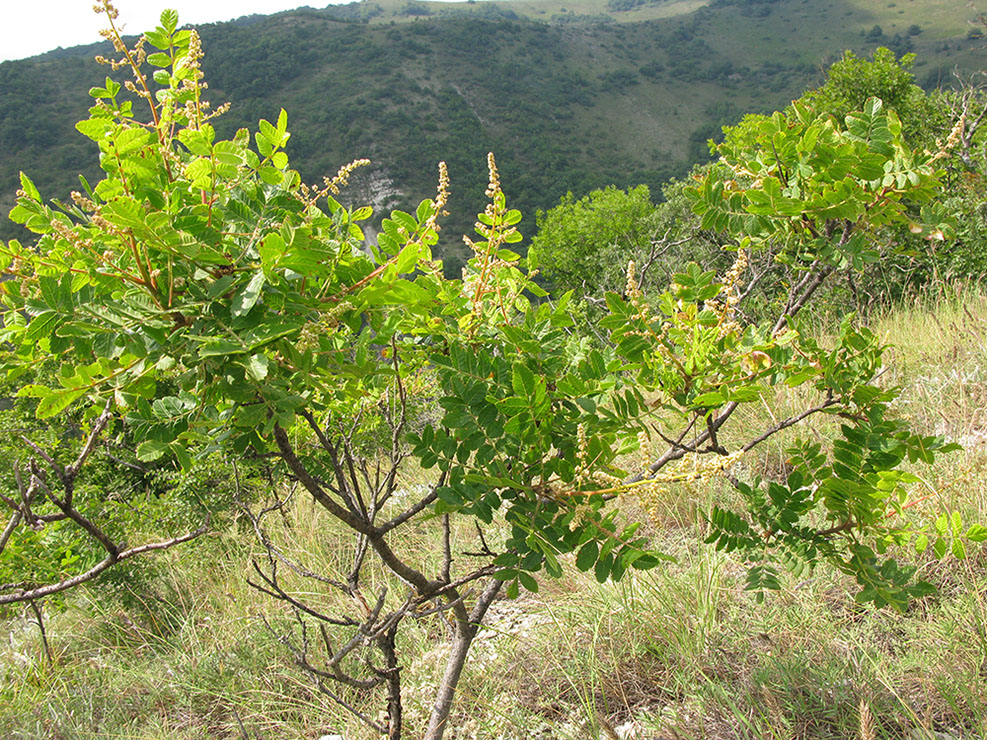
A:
(54, 588)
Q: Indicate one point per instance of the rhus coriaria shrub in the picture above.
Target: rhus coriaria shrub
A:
(205, 300)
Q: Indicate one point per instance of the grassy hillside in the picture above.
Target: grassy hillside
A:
(679, 652)
(571, 96)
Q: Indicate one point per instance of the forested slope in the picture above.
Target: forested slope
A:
(571, 98)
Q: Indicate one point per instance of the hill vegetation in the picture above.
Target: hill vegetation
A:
(571, 96)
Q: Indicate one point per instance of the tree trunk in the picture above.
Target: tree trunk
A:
(466, 630)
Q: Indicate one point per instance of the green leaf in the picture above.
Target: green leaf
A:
(182, 455)
(408, 257)
(169, 20)
(528, 581)
(220, 347)
(158, 39)
(248, 298)
(199, 171)
(58, 401)
(41, 325)
(587, 555)
(159, 59)
(152, 450)
(30, 190)
(977, 533)
(258, 367)
(96, 129)
(523, 381)
(711, 399)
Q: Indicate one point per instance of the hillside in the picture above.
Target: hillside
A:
(571, 95)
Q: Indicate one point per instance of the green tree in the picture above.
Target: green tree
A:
(852, 80)
(584, 244)
(203, 298)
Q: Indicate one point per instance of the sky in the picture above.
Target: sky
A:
(29, 27)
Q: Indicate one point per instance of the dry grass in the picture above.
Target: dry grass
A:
(678, 652)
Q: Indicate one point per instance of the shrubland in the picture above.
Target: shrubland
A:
(401, 461)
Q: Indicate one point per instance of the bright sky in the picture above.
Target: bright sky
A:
(29, 27)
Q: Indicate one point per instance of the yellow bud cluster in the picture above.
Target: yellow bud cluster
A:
(342, 177)
(194, 55)
(952, 140)
(730, 289)
(493, 187)
(308, 337)
(732, 276)
(606, 480)
(690, 468)
(582, 452)
(442, 195)
(107, 7)
(441, 198)
(634, 294)
(74, 238)
(644, 445)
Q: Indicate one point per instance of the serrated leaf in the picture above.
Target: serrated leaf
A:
(29, 189)
(977, 533)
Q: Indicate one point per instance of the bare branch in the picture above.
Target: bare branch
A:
(15, 519)
(27, 593)
(790, 421)
(90, 444)
(274, 590)
(312, 486)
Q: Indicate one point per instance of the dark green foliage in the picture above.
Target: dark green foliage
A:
(417, 91)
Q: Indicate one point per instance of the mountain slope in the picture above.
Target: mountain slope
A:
(570, 96)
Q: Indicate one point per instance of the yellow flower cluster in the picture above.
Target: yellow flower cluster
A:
(482, 281)
(690, 468)
(952, 140)
(493, 186)
(634, 294)
(342, 177)
(441, 198)
(491, 211)
(308, 337)
(644, 447)
(731, 290)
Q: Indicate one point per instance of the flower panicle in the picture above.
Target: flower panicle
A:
(952, 140)
(335, 184)
(493, 186)
(690, 468)
(730, 291)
